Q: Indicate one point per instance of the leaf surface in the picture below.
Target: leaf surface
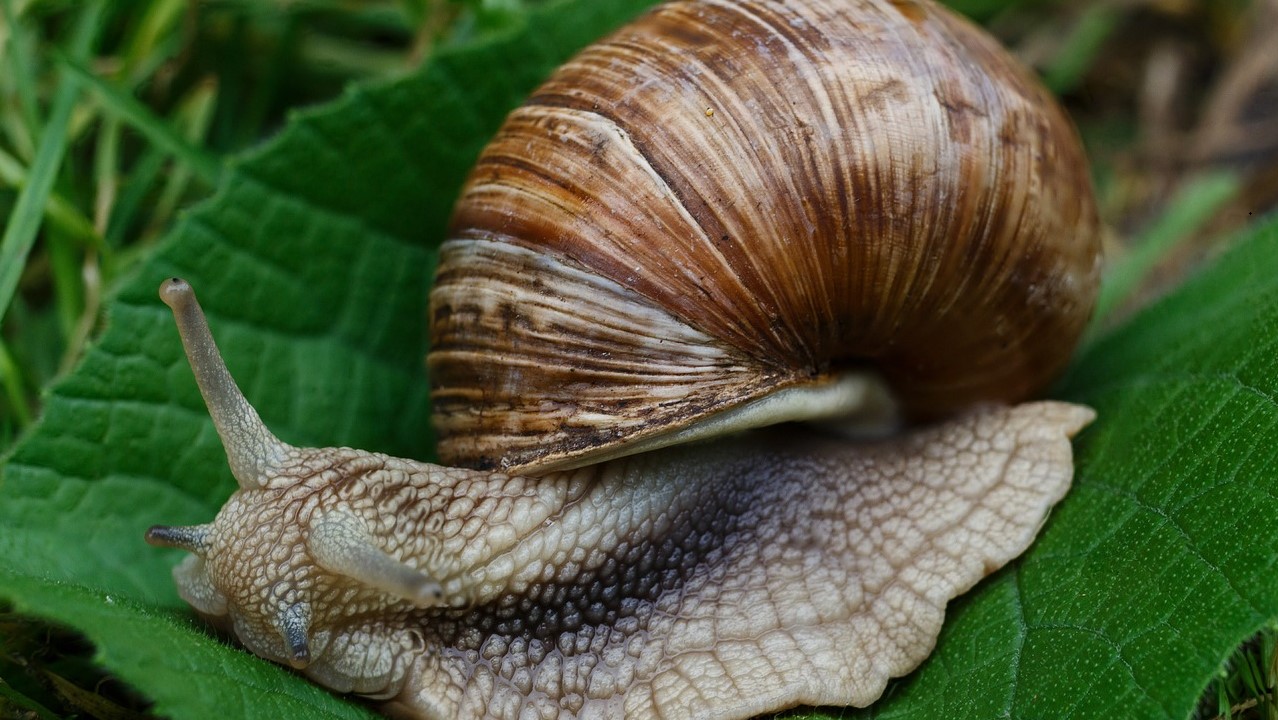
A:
(1161, 560)
(313, 263)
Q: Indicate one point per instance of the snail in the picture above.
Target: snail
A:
(728, 215)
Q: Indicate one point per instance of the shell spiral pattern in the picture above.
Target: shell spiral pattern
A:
(726, 198)
(728, 205)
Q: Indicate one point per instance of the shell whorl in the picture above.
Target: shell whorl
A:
(730, 197)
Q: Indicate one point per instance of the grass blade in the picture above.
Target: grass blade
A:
(23, 74)
(1081, 46)
(205, 165)
(11, 381)
(28, 211)
(1194, 205)
(59, 212)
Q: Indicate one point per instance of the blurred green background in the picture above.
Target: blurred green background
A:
(114, 116)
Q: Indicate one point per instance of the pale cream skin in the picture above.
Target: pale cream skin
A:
(691, 229)
(718, 580)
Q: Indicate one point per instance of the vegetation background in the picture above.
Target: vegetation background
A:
(117, 116)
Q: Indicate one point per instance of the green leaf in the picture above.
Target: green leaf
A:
(1162, 558)
(313, 262)
(187, 671)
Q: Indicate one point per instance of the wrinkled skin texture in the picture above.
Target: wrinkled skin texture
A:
(714, 581)
(715, 263)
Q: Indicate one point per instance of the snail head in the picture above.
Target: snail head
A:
(317, 560)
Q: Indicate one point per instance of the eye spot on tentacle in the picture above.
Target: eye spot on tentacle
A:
(294, 624)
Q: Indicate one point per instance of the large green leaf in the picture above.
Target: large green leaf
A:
(313, 263)
(1163, 556)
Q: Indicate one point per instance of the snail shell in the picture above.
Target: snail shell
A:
(727, 202)
(727, 199)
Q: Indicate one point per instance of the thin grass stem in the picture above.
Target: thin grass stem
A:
(1195, 204)
(25, 220)
(17, 62)
(15, 393)
(205, 165)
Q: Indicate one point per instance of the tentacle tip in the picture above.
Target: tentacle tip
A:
(427, 594)
(341, 544)
(175, 292)
(294, 625)
(299, 658)
(155, 534)
(192, 538)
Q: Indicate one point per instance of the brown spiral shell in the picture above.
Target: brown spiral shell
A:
(729, 197)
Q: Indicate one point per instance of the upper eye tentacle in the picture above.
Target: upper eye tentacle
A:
(251, 449)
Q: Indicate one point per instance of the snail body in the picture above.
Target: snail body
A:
(744, 233)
